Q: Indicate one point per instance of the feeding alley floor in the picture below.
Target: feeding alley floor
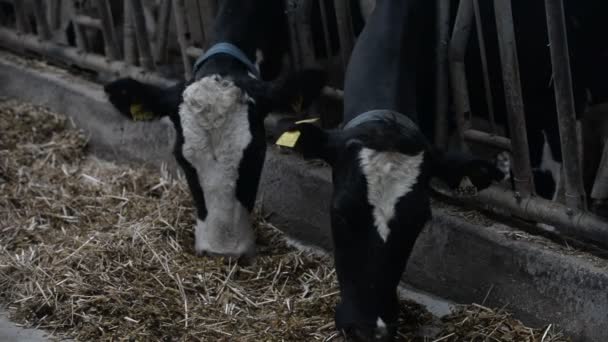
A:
(94, 251)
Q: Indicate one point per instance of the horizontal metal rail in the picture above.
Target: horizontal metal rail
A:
(490, 139)
(70, 55)
(85, 20)
(578, 224)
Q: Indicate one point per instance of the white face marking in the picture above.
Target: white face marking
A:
(549, 164)
(389, 175)
(214, 118)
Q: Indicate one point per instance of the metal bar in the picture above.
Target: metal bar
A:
(164, 20)
(82, 41)
(107, 28)
(182, 32)
(522, 172)
(345, 29)
(484, 66)
(42, 23)
(129, 43)
(194, 52)
(295, 48)
(458, 77)
(208, 10)
(488, 139)
(12, 40)
(141, 34)
(564, 98)
(23, 25)
(441, 77)
(87, 21)
(298, 15)
(579, 224)
(55, 14)
(600, 185)
(304, 30)
(326, 36)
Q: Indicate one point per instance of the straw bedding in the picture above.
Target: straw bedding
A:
(94, 251)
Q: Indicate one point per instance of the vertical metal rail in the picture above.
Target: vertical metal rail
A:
(23, 25)
(326, 36)
(141, 34)
(298, 15)
(129, 44)
(441, 77)
(82, 41)
(296, 57)
(55, 14)
(345, 29)
(522, 171)
(564, 98)
(182, 35)
(484, 67)
(42, 24)
(107, 28)
(162, 31)
(458, 77)
(208, 10)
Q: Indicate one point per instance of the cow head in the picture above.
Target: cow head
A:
(220, 143)
(380, 203)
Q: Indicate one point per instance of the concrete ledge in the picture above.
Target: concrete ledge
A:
(539, 281)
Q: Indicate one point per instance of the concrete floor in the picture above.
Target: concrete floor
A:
(9, 332)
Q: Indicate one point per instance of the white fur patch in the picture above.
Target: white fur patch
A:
(214, 118)
(551, 165)
(381, 329)
(389, 175)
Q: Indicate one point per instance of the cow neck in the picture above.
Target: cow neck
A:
(227, 49)
(382, 115)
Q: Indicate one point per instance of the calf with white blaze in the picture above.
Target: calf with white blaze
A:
(381, 165)
(218, 117)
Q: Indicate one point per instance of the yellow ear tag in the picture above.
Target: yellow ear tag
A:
(288, 139)
(139, 115)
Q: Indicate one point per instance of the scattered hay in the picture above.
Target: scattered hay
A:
(93, 251)
(478, 323)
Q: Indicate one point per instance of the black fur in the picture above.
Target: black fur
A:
(249, 25)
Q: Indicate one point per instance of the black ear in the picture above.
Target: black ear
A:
(290, 95)
(299, 90)
(311, 141)
(143, 102)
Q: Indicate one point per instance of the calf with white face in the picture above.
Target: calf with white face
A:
(218, 117)
(381, 165)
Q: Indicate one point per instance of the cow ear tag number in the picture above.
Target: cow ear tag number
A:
(290, 139)
(139, 114)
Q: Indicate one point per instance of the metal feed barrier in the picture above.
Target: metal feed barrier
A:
(140, 46)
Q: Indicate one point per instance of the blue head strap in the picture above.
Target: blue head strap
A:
(382, 115)
(228, 49)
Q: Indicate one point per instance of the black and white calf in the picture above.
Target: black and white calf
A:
(381, 165)
(218, 117)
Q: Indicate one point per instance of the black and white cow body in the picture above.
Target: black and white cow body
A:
(381, 165)
(218, 117)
